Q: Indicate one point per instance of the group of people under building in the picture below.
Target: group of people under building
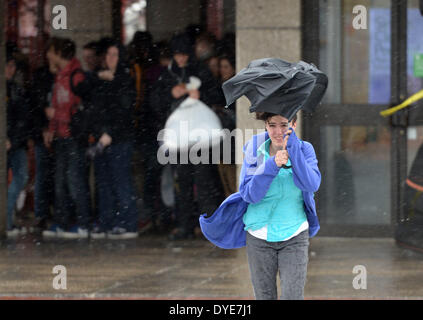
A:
(93, 128)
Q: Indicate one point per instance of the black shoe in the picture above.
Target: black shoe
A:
(39, 226)
(180, 234)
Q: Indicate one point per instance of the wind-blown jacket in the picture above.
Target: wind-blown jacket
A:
(225, 228)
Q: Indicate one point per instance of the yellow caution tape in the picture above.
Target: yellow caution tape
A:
(415, 97)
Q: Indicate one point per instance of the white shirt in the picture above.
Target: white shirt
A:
(262, 232)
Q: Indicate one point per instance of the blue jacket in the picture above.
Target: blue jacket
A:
(225, 227)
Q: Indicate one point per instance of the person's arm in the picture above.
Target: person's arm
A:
(209, 90)
(127, 100)
(82, 83)
(161, 100)
(256, 176)
(254, 185)
(52, 124)
(306, 173)
(18, 131)
(102, 110)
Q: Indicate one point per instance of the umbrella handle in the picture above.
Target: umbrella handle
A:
(285, 166)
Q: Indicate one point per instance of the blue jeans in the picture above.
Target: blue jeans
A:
(17, 160)
(289, 258)
(115, 187)
(44, 186)
(71, 180)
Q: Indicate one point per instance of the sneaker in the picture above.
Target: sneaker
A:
(23, 231)
(13, 233)
(144, 226)
(97, 233)
(39, 226)
(121, 233)
(76, 232)
(53, 232)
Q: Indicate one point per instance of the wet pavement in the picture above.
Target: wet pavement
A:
(151, 267)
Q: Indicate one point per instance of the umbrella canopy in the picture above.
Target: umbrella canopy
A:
(277, 86)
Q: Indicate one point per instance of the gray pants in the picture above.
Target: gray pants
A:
(289, 257)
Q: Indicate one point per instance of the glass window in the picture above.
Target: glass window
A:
(414, 45)
(356, 61)
(414, 184)
(355, 168)
(355, 160)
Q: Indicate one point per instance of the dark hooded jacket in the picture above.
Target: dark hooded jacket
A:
(40, 94)
(162, 100)
(114, 103)
(17, 116)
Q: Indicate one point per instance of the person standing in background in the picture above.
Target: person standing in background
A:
(16, 143)
(114, 100)
(70, 175)
(41, 93)
(170, 90)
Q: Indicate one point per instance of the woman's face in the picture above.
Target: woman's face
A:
(112, 58)
(214, 66)
(53, 58)
(10, 69)
(276, 126)
(226, 70)
(181, 59)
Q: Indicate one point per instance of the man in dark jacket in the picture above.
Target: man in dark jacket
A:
(41, 92)
(169, 92)
(16, 143)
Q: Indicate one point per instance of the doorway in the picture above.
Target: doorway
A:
(364, 158)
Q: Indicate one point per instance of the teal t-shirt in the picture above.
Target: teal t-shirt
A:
(282, 208)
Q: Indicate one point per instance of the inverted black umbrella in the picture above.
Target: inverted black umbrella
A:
(277, 86)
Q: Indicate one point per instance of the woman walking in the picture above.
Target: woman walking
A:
(278, 179)
(273, 213)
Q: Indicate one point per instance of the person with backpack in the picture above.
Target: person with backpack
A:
(69, 146)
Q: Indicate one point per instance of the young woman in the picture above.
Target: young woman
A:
(278, 178)
(114, 102)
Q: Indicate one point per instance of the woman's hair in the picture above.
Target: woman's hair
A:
(230, 58)
(266, 115)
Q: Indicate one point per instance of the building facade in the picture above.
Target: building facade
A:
(364, 158)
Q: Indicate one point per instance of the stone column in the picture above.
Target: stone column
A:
(265, 28)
